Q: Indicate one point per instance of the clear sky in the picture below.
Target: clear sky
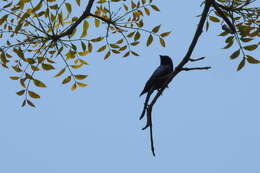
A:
(205, 122)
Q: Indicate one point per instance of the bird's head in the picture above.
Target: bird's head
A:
(166, 60)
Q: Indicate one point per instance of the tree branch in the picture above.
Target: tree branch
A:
(196, 68)
(85, 14)
(197, 59)
(220, 12)
(179, 67)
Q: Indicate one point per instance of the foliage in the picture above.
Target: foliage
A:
(247, 28)
(39, 34)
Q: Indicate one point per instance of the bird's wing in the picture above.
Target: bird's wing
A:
(162, 70)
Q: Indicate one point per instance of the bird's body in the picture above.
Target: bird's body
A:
(157, 80)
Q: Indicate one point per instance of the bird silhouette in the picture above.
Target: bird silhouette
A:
(157, 80)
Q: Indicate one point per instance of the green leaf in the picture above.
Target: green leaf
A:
(137, 36)
(229, 44)
(68, 7)
(83, 45)
(134, 53)
(85, 29)
(246, 39)
(107, 55)
(155, 8)
(3, 19)
(235, 54)
(241, 64)
(250, 47)
(252, 60)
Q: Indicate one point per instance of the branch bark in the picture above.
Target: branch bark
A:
(85, 14)
(196, 68)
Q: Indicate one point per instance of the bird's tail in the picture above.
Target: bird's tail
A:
(145, 105)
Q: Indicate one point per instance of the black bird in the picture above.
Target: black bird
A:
(157, 79)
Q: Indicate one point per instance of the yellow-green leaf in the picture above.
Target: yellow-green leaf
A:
(30, 103)
(19, 93)
(39, 83)
(162, 42)
(78, 2)
(66, 80)
(80, 77)
(47, 67)
(60, 72)
(14, 77)
(97, 22)
(156, 29)
(68, 7)
(73, 87)
(214, 19)
(123, 48)
(82, 84)
(149, 40)
(17, 69)
(85, 29)
(147, 11)
(126, 54)
(83, 53)
(102, 48)
(33, 95)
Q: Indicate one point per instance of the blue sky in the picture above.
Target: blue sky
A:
(205, 122)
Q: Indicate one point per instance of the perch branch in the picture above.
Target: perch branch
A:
(179, 67)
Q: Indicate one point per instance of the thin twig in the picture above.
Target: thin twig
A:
(196, 68)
